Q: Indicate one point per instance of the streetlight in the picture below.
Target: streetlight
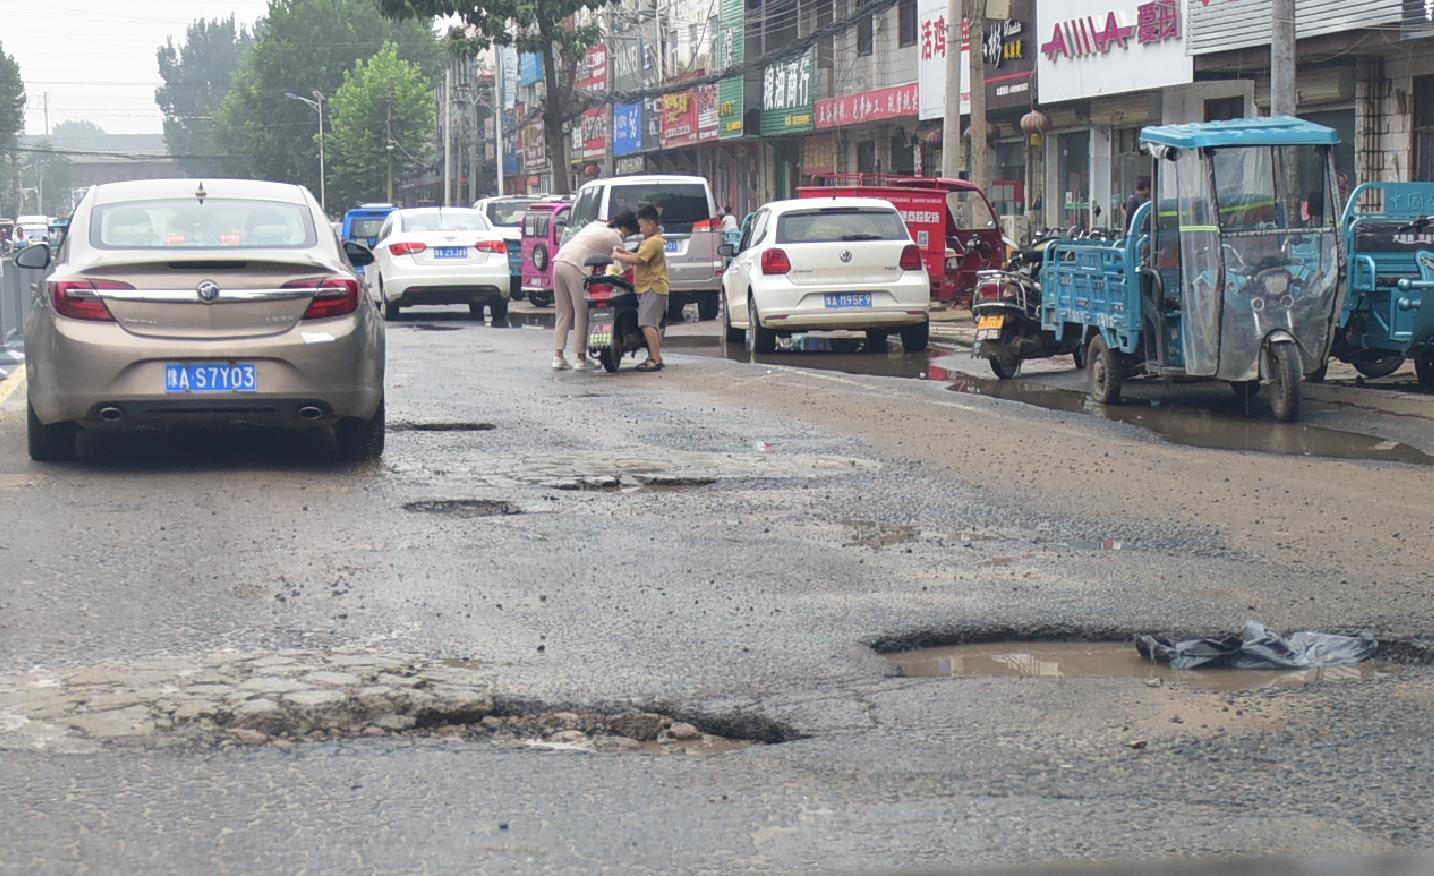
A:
(318, 104)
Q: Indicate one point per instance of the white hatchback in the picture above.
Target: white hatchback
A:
(440, 255)
(826, 264)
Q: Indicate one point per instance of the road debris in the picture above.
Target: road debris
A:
(1258, 648)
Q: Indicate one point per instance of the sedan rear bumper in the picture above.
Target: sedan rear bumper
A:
(807, 319)
(455, 294)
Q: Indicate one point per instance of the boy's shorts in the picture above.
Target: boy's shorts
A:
(651, 307)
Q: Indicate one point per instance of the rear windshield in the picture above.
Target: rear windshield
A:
(680, 205)
(194, 224)
(366, 227)
(837, 225)
(444, 220)
(535, 225)
(507, 212)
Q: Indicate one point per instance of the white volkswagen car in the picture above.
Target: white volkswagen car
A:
(826, 264)
(440, 255)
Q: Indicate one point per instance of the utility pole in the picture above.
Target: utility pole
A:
(448, 135)
(980, 146)
(1282, 58)
(47, 113)
(388, 140)
(951, 125)
(497, 117)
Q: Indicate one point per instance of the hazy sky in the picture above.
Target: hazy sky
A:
(96, 57)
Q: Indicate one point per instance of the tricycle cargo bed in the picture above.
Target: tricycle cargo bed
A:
(1091, 283)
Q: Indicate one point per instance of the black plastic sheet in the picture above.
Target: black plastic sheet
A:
(1258, 648)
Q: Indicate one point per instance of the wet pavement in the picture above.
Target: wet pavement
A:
(729, 546)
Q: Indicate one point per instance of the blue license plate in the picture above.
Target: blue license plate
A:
(450, 252)
(217, 377)
(849, 300)
(672, 246)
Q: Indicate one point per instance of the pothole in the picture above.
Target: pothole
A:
(440, 426)
(464, 507)
(433, 327)
(297, 696)
(1050, 660)
(631, 483)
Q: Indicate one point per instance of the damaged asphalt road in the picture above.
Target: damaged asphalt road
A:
(724, 547)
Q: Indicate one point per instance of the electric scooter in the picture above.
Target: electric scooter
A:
(613, 330)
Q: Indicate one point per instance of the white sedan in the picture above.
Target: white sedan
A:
(440, 255)
(827, 264)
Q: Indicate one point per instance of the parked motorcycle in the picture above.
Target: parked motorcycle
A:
(613, 330)
(1007, 311)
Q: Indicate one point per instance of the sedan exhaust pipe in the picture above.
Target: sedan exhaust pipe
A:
(110, 414)
(310, 412)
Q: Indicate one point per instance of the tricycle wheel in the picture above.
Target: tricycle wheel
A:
(1103, 371)
(1284, 367)
(1078, 354)
(1424, 368)
(1006, 364)
(1375, 367)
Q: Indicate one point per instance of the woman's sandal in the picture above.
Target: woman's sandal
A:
(650, 365)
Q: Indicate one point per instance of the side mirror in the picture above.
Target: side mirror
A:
(727, 250)
(35, 257)
(359, 255)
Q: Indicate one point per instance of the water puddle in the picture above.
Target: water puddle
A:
(1105, 660)
(1218, 424)
(531, 319)
(464, 508)
(632, 483)
(821, 353)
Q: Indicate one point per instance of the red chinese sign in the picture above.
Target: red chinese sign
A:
(679, 119)
(868, 106)
(1156, 22)
(594, 123)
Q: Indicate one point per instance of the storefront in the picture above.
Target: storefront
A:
(788, 108)
(870, 131)
(1107, 69)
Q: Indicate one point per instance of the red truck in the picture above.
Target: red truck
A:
(950, 220)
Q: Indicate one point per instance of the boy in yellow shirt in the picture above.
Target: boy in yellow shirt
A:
(650, 281)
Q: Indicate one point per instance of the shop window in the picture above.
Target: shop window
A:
(1424, 128)
(906, 12)
(1342, 120)
(1222, 109)
(863, 36)
(866, 156)
(1073, 179)
(1008, 180)
(902, 158)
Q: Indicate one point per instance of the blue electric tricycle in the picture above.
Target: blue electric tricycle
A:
(1389, 236)
(1232, 273)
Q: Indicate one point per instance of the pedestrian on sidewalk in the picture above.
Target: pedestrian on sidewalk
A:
(569, 271)
(729, 220)
(650, 281)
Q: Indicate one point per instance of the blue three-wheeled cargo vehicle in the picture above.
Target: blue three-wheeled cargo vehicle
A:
(1389, 241)
(1231, 273)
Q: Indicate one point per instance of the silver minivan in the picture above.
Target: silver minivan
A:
(689, 224)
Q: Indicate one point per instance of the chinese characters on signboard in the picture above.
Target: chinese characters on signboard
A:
(1156, 22)
(626, 128)
(594, 122)
(679, 119)
(934, 36)
(868, 106)
(787, 95)
(1091, 48)
(731, 54)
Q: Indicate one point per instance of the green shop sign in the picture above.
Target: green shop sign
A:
(731, 54)
(787, 104)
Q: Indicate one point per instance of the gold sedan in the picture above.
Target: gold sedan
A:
(216, 303)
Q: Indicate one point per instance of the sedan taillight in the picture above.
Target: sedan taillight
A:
(333, 296)
(496, 246)
(911, 257)
(707, 225)
(775, 261)
(78, 298)
(407, 247)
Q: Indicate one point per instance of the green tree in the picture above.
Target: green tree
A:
(74, 128)
(303, 46)
(383, 101)
(541, 27)
(197, 76)
(12, 121)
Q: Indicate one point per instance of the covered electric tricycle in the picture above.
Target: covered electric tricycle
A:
(1232, 273)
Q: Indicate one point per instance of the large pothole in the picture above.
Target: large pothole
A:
(439, 426)
(464, 507)
(291, 697)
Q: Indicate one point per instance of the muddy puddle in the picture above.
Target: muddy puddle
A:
(1105, 660)
(1203, 421)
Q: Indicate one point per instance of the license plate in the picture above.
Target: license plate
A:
(849, 300)
(599, 332)
(537, 282)
(218, 377)
(989, 323)
(673, 246)
(450, 252)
